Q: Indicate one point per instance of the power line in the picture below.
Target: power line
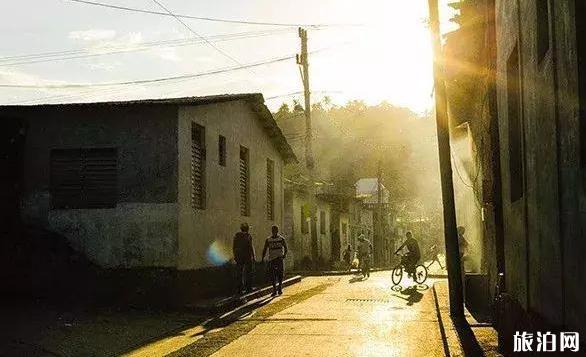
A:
(145, 81)
(222, 52)
(163, 79)
(301, 92)
(55, 56)
(213, 19)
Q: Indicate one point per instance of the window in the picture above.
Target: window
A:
(542, 12)
(244, 182)
(198, 166)
(222, 150)
(515, 127)
(84, 178)
(304, 221)
(322, 222)
(270, 189)
(581, 42)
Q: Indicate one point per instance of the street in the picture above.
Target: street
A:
(321, 316)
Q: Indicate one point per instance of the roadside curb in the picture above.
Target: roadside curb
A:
(336, 272)
(232, 302)
(463, 338)
(450, 337)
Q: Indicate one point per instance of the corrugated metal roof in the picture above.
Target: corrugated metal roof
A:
(255, 99)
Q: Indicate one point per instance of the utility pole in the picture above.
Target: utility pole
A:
(379, 231)
(443, 137)
(303, 62)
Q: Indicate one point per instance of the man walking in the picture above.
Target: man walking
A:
(364, 251)
(277, 249)
(244, 256)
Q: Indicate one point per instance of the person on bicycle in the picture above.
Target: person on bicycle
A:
(411, 258)
(364, 251)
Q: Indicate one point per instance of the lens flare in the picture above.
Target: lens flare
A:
(218, 253)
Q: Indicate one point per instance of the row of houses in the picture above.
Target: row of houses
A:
(516, 81)
(165, 183)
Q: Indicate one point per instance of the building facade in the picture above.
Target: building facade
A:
(526, 121)
(153, 183)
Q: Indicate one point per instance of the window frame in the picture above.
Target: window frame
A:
(222, 151)
(270, 189)
(244, 190)
(198, 136)
(96, 178)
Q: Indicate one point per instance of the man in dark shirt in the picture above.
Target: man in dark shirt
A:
(411, 258)
(244, 256)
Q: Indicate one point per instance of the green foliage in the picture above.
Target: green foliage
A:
(350, 140)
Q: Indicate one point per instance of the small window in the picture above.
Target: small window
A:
(543, 20)
(270, 190)
(244, 182)
(198, 167)
(322, 222)
(84, 178)
(304, 221)
(515, 126)
(222, 150)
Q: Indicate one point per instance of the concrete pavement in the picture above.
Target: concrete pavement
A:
(330, 316)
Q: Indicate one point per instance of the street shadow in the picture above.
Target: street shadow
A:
(469, 342)
(233, 316)
(412, 296)
(356, 279)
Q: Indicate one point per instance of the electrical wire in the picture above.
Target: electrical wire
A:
(244, 22)
(55, 56)
(162, 79)
(219, 50)
(146, 81)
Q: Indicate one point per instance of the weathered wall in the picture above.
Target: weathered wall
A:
(205, 236)
(141, 230)
(544, 230)
(507, 24)
(302, 241)
(571, 175)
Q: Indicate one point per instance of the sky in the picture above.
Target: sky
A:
(385, 56)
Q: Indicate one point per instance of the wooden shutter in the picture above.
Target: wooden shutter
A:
(198, 165)
(84, 178)
(270, 190)
(244, 182)
(222, 150)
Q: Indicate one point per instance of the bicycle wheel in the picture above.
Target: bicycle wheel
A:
(420, 274)
(397, 274)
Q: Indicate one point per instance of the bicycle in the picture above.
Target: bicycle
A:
(420, 275)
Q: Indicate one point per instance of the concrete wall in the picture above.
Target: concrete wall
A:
(544, 229)
(205, 236)
(141, 230)
(302, 241)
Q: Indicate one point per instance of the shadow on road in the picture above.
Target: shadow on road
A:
(470, 344)
(229, 318)
(412, 295)
(357, 278)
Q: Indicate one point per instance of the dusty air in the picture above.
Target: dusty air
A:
(278, 178)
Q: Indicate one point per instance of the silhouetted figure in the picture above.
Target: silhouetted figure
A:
(277, 252)
(463, 245)
(411, 258)
(364, 252)
(348, 256)
(244, 256)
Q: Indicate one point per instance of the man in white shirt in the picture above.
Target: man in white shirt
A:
(277, 249)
